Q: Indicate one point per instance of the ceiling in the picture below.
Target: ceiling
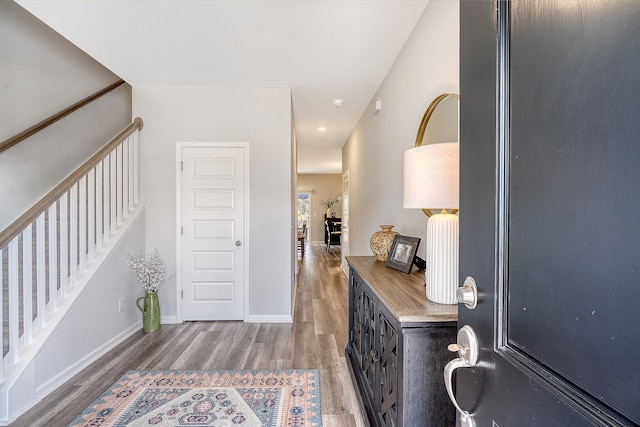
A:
(321, 49)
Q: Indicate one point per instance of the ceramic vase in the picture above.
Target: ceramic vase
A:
(329, 212)
(150, 312)
(381, 242)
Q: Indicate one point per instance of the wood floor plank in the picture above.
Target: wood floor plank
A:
(163, 353)
(283, 342)
(341, 330)
(303, 311)
(317, 288)
(332, 378)
(343, 420)
(322, 317)
(282, 364)
(198, 350)
(315, 340)
(258, 357)
(306, 348)
(332, 296)
(234, 357)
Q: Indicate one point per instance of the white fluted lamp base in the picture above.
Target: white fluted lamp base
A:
(441, 277)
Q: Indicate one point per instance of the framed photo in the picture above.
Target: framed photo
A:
(403, 251)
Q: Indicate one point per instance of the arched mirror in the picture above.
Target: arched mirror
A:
(440, 123)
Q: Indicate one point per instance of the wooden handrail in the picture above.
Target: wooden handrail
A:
(43, 204)
(5, 145)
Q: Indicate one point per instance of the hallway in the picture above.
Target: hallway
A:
(316, 339)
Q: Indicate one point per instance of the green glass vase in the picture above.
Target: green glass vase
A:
(150, 312)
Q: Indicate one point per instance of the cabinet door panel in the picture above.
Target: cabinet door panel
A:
(369, 349)
(358, 321)
(388, 399)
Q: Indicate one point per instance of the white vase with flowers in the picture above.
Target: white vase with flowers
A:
(329, 204)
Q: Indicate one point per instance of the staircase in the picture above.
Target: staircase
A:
(51, 254)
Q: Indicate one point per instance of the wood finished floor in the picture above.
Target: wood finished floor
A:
(315, 340)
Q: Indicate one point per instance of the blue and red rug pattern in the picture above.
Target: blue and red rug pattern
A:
(272, 398)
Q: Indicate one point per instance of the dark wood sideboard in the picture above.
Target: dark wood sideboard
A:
(397, 347)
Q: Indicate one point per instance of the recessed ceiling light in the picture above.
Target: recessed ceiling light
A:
(322, 128)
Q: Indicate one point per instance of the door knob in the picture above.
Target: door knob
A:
(467, 294)
(468, 349)
(238, 243)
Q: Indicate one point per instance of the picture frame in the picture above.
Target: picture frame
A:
(402, 253)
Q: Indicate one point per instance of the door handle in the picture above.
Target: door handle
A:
(467, 294)
(238, 243)
(468, 349)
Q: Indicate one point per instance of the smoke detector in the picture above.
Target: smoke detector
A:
(337, 102)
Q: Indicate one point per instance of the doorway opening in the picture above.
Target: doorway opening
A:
(304, 212)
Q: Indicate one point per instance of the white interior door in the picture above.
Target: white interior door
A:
(212, 232)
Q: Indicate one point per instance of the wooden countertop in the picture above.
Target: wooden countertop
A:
(402, 294)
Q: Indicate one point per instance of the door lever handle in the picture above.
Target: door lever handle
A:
(457, 347)
(454, 364)
(467, 348)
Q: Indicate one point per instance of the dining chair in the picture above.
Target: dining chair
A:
(334, 233)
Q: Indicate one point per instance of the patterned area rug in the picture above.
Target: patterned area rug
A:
(289, 398)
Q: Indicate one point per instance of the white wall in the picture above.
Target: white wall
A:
(40, 74)
(427, 66)
(261, 117)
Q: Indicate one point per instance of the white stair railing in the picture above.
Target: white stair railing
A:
(48, 249)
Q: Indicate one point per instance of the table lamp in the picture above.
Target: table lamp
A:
(432, 181)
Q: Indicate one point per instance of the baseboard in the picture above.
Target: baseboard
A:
(269, 319)
(74, 369)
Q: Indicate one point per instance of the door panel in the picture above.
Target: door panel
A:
(571, 124)
(213, 186)
(547, 224)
